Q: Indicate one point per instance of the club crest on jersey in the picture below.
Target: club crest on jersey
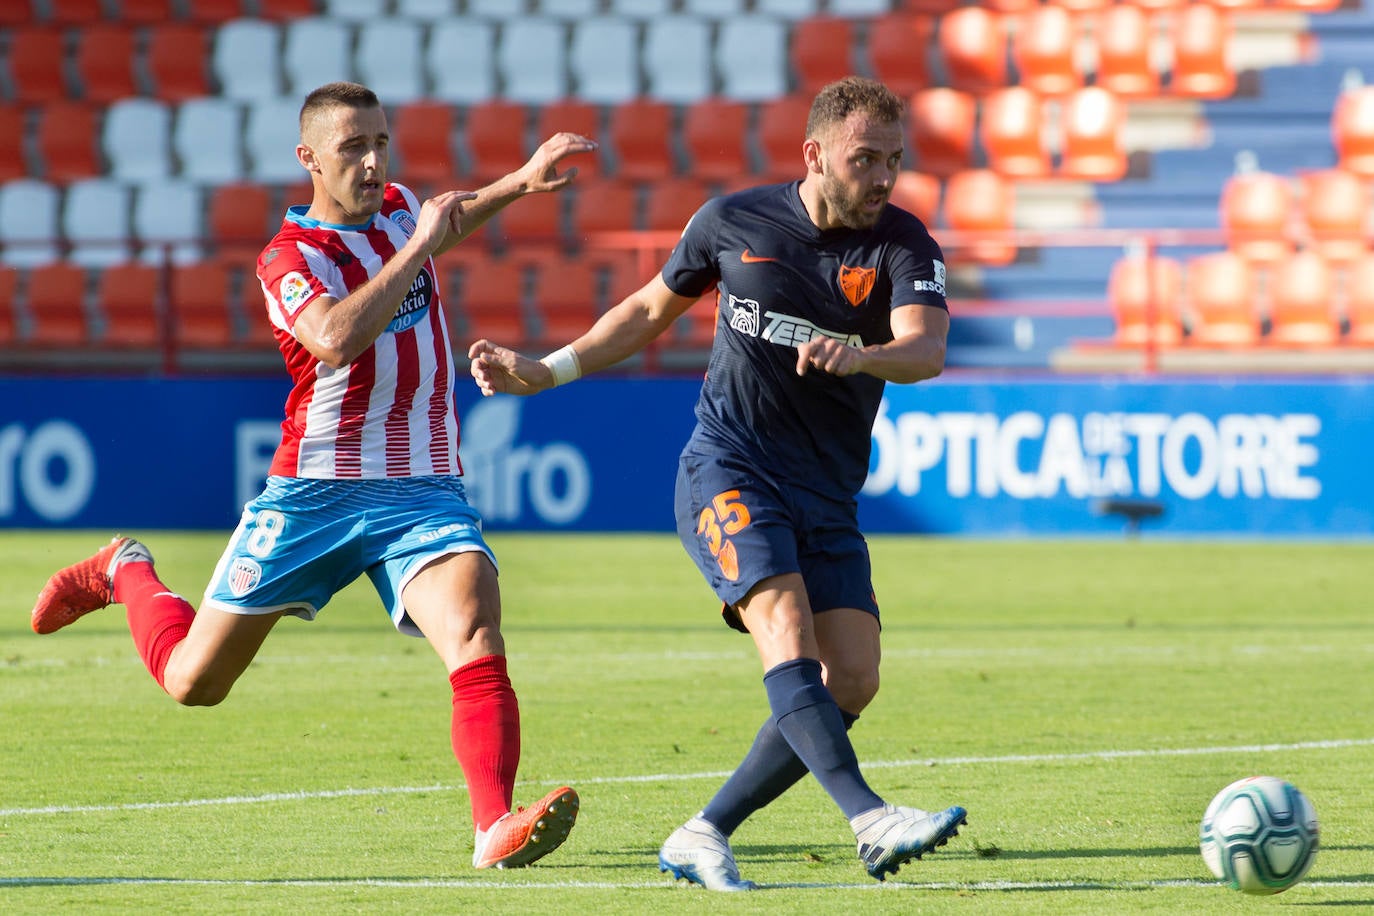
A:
(857, 282)
(744, 316)
(405, 221)
(243, 576)
(295, 291)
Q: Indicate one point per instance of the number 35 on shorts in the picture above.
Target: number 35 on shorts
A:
(725, 516)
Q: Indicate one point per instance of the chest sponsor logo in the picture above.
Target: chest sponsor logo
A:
(793, 332)
(857, 282)
(415, 304)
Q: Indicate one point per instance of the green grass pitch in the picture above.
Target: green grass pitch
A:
(1083, 699)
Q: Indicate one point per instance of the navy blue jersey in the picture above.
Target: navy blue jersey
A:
(781, 282)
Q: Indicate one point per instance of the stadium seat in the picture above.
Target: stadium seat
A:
(127, 302)
(104, 62)
(1302, 288)
(315, 50)
(246, 60)
(460, 60)
(389, 59)
(490, 300)
(55, 296)
(532, 60)
(928, 7)
(941, 130)
(670, 203)
(604, 57)
(714, 9)
(566, 298)
(1335, 210)
(207, 139)
(1359, 301)
(9, 289)
(1143, 295)
(359, 11)
(1153, 6)
(713, 133)
(146, 12)
(95, 222)
(136, 137)
(979, 207)
(79, 13)
(176, 56)
(641, 133)
(898, 50)
(426, 11)
(578, 117)
(212, 12)
(569, 10)
(168, 221)
(271, 133)
(1092, 120)
(780, 133)
(29, 220)
(919, 194)
(788, 10)
(1255, 212)
(496, 10)
(1201, 39)
(36, 56)
(13, 131)
(534, 222)
(68, 141)
(422, 144)
(1011, 130)
(604, 206)
(1044, 48)
(240, 219)
(640, 10)
(676, 52)
(1306, 6)
(1352, 130)
(821, 52)
(289, 10)
(750, 58)
(1079, 7)
(973, 45)
(199, 307)
(495, 135)
(1219, 290)
(1123, 33)
(858, 9)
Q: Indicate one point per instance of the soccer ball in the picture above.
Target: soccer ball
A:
(1259, 835)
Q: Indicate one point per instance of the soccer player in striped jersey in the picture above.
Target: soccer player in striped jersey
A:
(366, 478)
(824, 292)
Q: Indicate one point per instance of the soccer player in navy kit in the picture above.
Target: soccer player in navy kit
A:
(825, 293)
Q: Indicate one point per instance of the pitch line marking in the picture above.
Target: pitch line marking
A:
(1333, 744)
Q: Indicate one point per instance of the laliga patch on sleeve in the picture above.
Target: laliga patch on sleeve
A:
(295, 291)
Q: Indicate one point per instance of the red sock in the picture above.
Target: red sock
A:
(486, 735)
(158, 618)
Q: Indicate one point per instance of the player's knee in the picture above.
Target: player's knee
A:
(196, 690)
(852, 687)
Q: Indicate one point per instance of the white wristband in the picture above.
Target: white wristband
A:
(564, 365)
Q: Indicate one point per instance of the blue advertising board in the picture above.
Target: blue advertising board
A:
(976, 455)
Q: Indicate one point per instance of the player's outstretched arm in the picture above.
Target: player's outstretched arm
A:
(916, 352)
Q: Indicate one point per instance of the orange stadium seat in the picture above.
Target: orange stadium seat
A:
(37, 55)
(490, 300)
(898, 50)
(669, 204)
(820, 51)
(199, 308)
(565, 297)
(213, 12)
(1220, 293)
(9, 286)
(1359, 301)
(1335, 211)
(1011, 130)
(940, 128)
(1009, 6)
(127, 296)
(972, 42)
(1143, 295)
(535, 221)
(240, 219)
(1044, 49)
(919, 194)
(979, 208)
(1352, 130)
(927, 7)
(146, 12)
(1255, 211)
(422, 135)
(713, 133)
(603, 206)
(104, 62)
(12, 133)
(68, 141)
(1152, 6)
(1307, 6)
(1123, 34)
(780, 133)
(176, 57)
(495, 135)
(283, 10)
(578, 117)
(1078, 7)
(1092, 120)
(641, 134)
(56, 295)
(1201, 39)
(75, 12)
(1302, 288)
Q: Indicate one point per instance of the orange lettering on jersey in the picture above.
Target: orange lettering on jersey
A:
(857, 283)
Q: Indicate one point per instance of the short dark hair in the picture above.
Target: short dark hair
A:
(838, 100)
(330, 95)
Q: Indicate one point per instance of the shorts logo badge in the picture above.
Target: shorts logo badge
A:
(244, 576)
(857, 282)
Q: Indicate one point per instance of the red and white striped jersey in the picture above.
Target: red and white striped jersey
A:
(390, 412)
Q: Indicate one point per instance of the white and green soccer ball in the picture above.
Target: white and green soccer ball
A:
(1259, 835)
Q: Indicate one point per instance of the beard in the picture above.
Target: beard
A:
(847, 205)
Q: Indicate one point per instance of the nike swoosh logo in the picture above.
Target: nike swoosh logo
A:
(748, 258)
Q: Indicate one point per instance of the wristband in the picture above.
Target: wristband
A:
(564, 365)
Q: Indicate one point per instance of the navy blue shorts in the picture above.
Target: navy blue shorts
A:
(741, 527)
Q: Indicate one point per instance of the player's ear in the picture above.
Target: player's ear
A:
(306, 157)
(813, 156)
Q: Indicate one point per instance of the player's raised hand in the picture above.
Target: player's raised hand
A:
(541, 173)
(500, 370)
(440, 215)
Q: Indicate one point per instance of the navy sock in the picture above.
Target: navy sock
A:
(810, 721)
(769, 769)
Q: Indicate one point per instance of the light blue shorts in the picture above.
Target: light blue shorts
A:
(302, 541)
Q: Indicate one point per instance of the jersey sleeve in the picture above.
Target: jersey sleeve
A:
(693, 268)
(917, 268)
(293, 276)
